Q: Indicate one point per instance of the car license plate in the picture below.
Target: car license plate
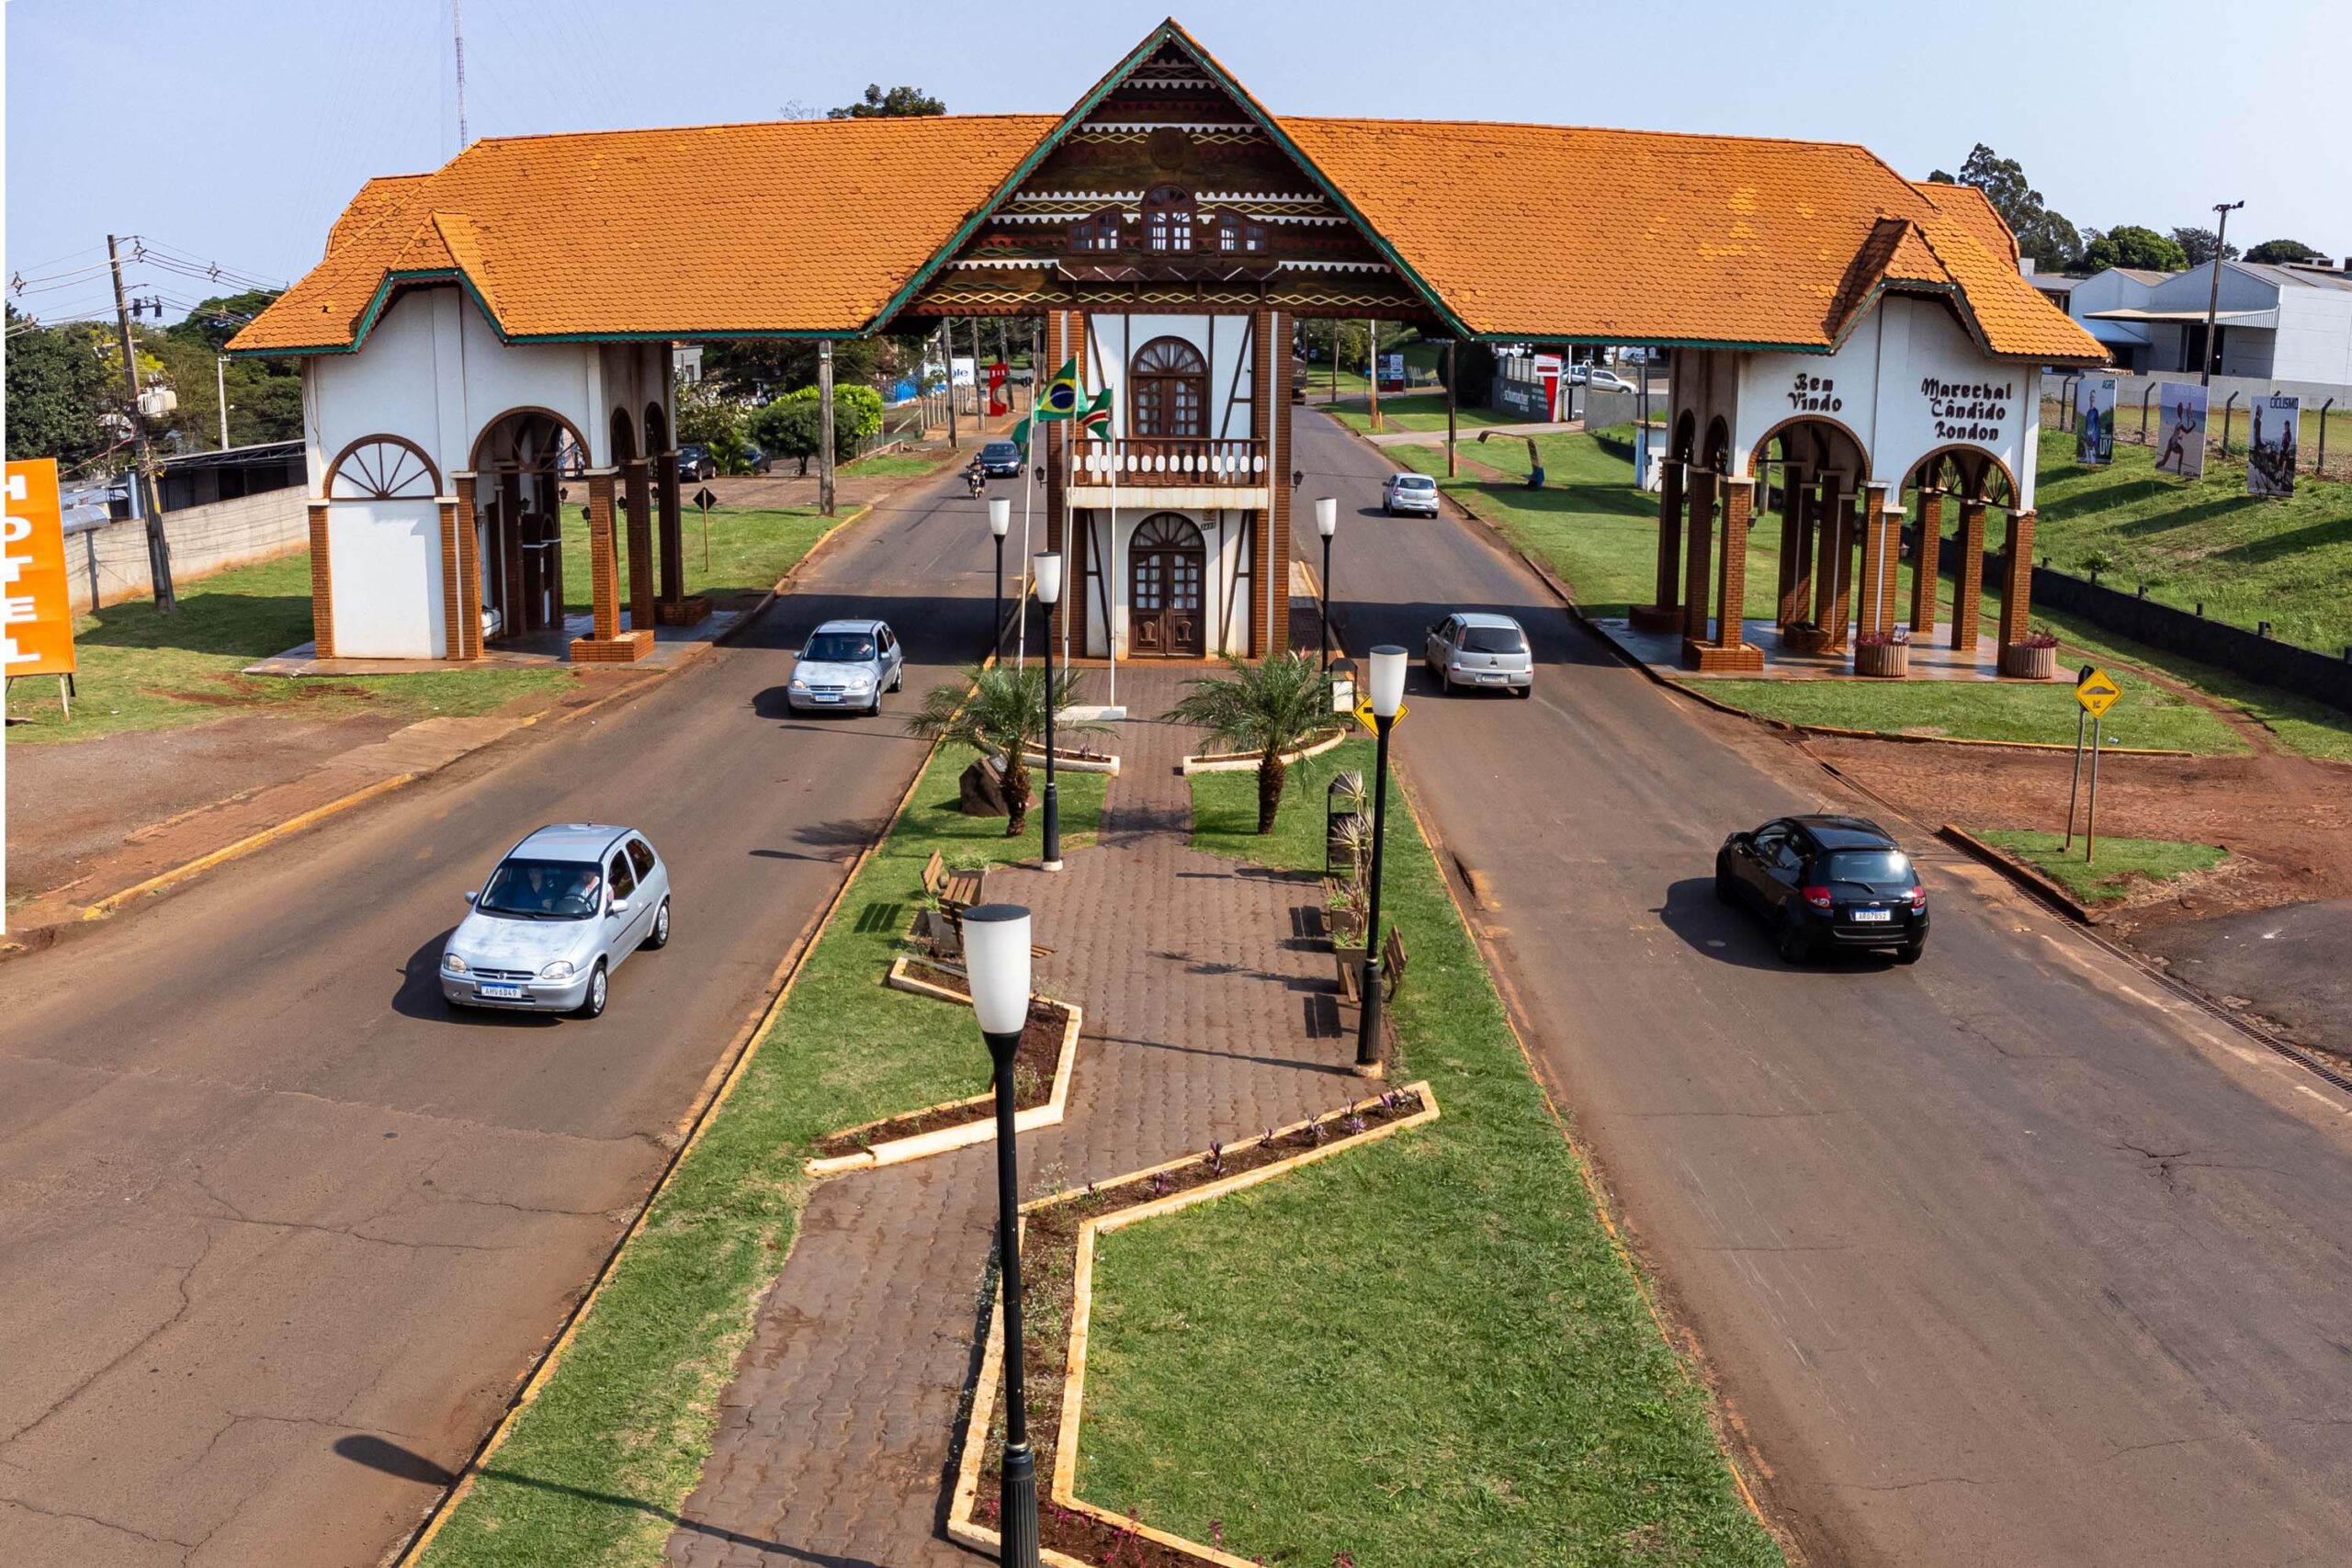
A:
(503, 993)
(1867, 916)
(827, 697)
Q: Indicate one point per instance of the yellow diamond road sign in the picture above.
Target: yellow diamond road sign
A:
(2096, 691)
(1363, 715)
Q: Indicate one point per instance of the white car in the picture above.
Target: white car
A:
(1414, 493)
(560, 912)
(847, 664)
(1470, 648)
(1609, 381)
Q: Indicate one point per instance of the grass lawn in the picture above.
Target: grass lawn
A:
(2248, 559)
(1426, 1353)
(141, 671)
(749, 548)
(892, 466)
(2122, 865)
(1422, 411)
(2148, 716)
(596, 1469)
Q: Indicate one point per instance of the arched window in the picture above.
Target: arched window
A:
(1235, 233)
(1099, 232)
(1170, 390)
(1167, 218)
(382, 468)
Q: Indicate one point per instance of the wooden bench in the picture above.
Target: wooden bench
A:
(1392, 969)
(956, 890)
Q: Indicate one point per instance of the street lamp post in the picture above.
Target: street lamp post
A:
(2213, 297)
(996, 958)
(1049, 570)
(1385, 690)
(1326, 522)
(1000, 524)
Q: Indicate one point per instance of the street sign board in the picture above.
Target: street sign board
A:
(705, 499)
(1363, 715)
(2097, 691)
(36, 618)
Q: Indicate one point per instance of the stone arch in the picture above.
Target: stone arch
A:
(656, 430)
(1974, 466)
(1821, 428)
(623, 439)
(506, 428)
(381, 467)
(1686, 436)
(1717, 454)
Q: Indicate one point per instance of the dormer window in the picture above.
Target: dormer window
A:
(1235, 234)
(1168, 219)
(1099, 232)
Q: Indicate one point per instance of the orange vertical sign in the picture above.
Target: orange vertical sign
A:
(36, 617)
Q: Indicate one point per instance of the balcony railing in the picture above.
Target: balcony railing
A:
(1165, 460)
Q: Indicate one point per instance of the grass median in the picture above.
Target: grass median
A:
(1430, 1351)
(2124, 865)
(738, 549)
(594, 1470)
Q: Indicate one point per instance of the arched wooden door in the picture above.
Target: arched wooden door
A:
(1167, 568)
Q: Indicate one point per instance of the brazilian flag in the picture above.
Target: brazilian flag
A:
(1060, 399)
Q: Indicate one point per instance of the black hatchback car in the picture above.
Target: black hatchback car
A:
(1001, 460)
(1826, 882)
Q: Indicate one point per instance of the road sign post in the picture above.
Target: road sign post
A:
(2074, 790)
(2095, 692)
(704, 501)
(2090, 813)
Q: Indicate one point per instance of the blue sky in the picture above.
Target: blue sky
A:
(234, 131)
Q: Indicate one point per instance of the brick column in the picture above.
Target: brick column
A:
(322, 584)
(1664, 612)
(1926, 566)
(1874, 600)
(672, 541)
(1699, 544)
(2017, 581)
(1731, 597)
(469, 570)
(1280, 460)
(640, 544)
(1968, 588)
(1792, 517)
(1829, 508)
(1845, 522)
(1796, 596)
(603, 572)
(453, 622)
(1263, 563)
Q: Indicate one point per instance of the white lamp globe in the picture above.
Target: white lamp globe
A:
(1327, 515)
(1385, 686)
(1000, 514)
(996, 958)
(1047, 569)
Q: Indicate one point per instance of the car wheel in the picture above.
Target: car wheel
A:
(898, 679)
(1527, 690)
(658, 937)
(1726, 890)
(1909, 951)
(1444, 685)
(593, 1004)
(1794, 945)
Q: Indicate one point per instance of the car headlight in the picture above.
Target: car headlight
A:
(798, 684)
(862, 678)
(559, 970)
(453, 965)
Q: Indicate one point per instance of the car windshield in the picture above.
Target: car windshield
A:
(1872, 866)
(542, 890)
(1493, 640)
(999, 450)
(839, 647)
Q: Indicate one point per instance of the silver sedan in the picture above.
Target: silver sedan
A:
(563, 909)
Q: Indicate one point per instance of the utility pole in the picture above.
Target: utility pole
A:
(1371, 371)
(159, 549)
(221, 386)
(457, 36)
(979, 386)
(947, 352)
(825, 420)
(2213, 295)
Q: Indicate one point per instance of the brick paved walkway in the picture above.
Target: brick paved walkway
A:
(1206, 1017)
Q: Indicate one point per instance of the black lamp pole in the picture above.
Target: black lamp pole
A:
(1368, 1015)
(997, 949)
(997, 624)
(1325, 618)
(1000, 524)
(1049, 592)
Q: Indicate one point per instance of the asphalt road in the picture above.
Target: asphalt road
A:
(2006, 1258)
(262, 1191)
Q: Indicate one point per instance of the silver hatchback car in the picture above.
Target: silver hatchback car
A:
(558, 916)
(1409, 493)
(847, 664)
(1471, 648)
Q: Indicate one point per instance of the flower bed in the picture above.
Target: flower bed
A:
(1058, 1236)
(1242, 761)
(1041, 1072)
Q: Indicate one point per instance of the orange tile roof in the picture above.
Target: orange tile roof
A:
(806, 226)
(1543, 232)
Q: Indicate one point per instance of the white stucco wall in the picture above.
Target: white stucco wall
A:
(385, 561)
(1224, 342)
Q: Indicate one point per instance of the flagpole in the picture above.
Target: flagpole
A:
(1028, 471)
(1117, 584)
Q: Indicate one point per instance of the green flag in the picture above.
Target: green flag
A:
(1095, 420)
(1020, 437)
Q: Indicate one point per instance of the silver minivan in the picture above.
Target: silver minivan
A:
(1472, 648)
(563, 911)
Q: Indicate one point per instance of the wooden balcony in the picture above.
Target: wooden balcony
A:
(1173, 462)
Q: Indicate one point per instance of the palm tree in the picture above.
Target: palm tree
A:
(999, 712)
(1267, 708)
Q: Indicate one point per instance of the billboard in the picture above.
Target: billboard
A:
(2270, 460)
(35, 621)
(2180, 439)
(2095, 420)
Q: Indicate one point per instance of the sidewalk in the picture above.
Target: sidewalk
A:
(1208, 1015)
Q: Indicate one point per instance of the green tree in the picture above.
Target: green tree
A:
(1000, 712)
(899, 102)
(1267, 708)
(793, 426)
(708, 417)
(58, 389)
(2128, 244)
(215, 321)
(2197, 245)
(2042, 234)
(2273, 251)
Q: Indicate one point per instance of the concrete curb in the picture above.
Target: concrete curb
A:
(981, 1130)
(2038, 883)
